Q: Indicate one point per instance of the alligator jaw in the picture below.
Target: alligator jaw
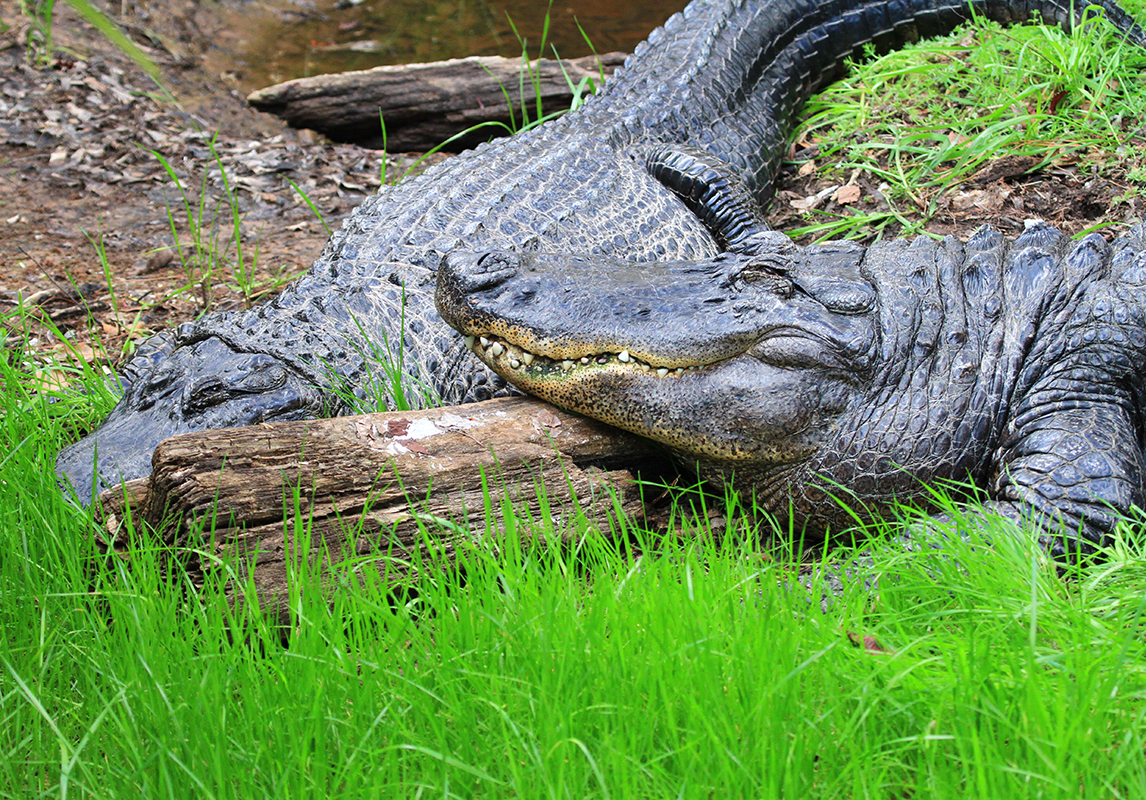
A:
(711, 357)
(503, 356)
(567, 308)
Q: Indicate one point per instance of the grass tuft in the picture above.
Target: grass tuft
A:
(922, 121)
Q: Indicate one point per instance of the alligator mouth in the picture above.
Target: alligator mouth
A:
(506, 357)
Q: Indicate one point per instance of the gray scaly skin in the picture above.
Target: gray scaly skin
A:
(803, 374)
(668, 164)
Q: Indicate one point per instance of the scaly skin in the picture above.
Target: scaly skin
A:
(803, 374)
(669, 163)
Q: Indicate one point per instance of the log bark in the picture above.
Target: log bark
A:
(380, 490)
(425, 104)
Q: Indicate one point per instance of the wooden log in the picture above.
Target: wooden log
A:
(385, 489)
(425, 104)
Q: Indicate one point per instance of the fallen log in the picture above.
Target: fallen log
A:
(425, 104)
(384, 490)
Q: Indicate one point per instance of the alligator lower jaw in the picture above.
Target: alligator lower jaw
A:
(510, 359)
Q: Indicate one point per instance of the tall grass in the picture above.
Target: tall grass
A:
(644, 665)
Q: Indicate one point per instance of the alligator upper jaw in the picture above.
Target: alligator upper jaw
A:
(666, 316)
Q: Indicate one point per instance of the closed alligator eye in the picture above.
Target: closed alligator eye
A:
(204, 394)
(213, 391)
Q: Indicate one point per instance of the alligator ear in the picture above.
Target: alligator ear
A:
(830, 273)
(1076, 471)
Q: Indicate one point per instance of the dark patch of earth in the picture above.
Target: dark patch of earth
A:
(81, 174)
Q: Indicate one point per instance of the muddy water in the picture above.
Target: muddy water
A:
(294, 38)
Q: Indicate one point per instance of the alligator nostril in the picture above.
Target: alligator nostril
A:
(473, 273)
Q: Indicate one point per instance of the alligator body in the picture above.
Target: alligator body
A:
(654, 183)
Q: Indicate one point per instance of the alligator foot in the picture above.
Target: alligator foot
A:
(196, 387)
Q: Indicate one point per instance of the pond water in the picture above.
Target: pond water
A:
(297, 38)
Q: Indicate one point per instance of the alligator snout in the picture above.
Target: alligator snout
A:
(471, 272)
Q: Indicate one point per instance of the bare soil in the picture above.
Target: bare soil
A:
(95, 236)
(87, 204)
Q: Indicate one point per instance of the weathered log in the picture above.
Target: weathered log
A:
(385, 489)
(423, 105)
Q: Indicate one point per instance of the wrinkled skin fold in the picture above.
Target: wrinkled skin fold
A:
(619, 257)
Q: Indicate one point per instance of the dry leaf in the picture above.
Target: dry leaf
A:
(847, 195)
(868, 643)
(50, 380)
(807, 168)
(810, 202)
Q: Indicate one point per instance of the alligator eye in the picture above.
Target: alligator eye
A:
(499, 260)
(775, 282)
(204, 394)
(214, 391)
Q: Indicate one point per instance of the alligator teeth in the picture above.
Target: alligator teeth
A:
(518, 358)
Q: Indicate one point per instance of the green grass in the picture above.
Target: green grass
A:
(681, 667)
(919, 122)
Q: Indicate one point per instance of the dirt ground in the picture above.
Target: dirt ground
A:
(90, 151)
(96, 165)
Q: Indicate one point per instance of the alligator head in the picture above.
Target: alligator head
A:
(745, 361)
(176, 389)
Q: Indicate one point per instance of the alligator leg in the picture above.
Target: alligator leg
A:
(1076, 473)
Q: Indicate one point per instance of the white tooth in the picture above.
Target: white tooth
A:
(513, 362)
(527, 358)
(644, 367)
(484, 342)
(584, 359)
(469, 340)
(623, 356)
(497, 349)
(662, 371)
(566, 365)
(679, 371)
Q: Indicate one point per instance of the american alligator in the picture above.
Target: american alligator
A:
(651, 194)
